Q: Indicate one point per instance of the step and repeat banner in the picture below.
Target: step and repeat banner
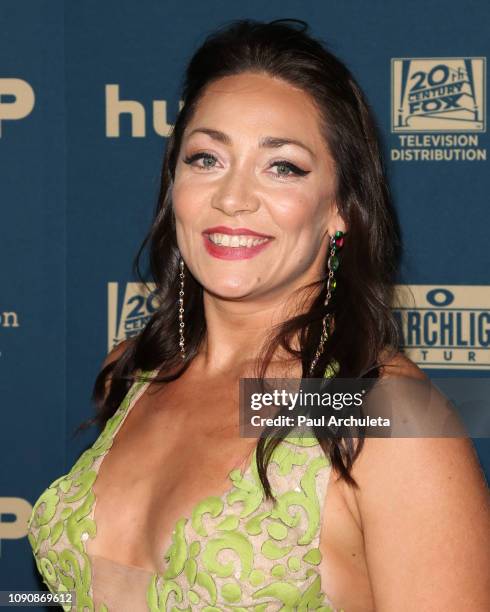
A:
(88, 94)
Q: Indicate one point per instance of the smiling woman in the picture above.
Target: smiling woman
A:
(280, 179)
(273, 251)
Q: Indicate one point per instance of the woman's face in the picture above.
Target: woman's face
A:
(253, 163)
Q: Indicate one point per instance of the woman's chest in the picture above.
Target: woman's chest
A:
(234, 547)
(227, 547)
(151, 478)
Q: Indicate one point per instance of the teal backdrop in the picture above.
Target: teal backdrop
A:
(88, 91)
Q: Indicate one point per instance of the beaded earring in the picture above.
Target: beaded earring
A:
(181, 310)
(336, 243)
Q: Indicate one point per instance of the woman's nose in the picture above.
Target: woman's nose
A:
(236, 193)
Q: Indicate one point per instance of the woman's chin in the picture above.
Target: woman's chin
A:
(232, 289)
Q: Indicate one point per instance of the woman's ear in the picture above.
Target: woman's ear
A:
(336, 222)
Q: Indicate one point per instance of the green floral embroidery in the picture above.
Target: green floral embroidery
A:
(235, 552)
(62, 567)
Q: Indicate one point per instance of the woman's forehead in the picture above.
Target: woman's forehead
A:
(258, 102)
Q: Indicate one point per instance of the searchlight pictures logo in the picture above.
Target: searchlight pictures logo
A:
(438, 108)
(445, 327)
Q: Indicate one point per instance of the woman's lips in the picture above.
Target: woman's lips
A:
(227, 252)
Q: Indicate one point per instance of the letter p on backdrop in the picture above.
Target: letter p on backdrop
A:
(22, 104)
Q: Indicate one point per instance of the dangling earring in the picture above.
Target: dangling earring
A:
(336, 242)
(181, 309)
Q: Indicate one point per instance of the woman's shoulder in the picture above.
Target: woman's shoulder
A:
(116, 352)
(396, 363)
(112, 357)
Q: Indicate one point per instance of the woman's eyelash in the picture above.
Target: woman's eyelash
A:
(192, 158)
(291, 167)
(282, 162)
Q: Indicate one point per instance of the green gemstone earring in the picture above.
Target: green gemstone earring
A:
(336, 243)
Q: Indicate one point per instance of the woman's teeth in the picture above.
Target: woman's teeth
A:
(235, 241)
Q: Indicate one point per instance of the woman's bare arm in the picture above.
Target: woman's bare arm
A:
(425, 513)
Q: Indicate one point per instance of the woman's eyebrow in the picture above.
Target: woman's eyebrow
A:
(272, 142)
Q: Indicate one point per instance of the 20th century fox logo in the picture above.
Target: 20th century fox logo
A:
(438, 108)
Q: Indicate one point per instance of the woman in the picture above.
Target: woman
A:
(273, 158)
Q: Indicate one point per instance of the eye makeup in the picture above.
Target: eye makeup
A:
(292, 168)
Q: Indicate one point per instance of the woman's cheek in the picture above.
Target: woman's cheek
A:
(185, 200)
(294, 212)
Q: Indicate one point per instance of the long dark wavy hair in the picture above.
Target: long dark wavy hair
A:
(364, 325)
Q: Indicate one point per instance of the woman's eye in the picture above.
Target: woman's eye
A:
(285, 169)
(207, 159)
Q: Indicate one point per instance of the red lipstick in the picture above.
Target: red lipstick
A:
(227, 252)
